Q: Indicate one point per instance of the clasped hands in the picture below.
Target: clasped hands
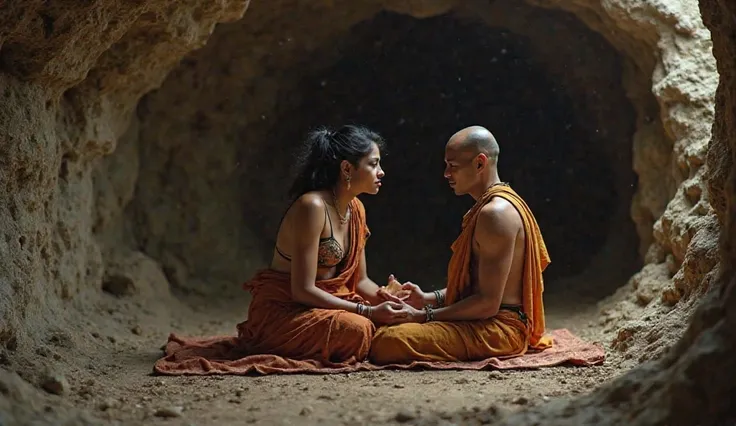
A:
(403, 303)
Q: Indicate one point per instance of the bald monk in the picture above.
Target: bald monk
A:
(492, 305)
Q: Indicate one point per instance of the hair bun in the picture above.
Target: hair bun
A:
(320, 162)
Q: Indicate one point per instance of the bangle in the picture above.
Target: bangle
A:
(440, 298)
(430, 313)
(363, 310)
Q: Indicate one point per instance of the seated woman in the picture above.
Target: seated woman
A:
(316, 301)
(314, 306)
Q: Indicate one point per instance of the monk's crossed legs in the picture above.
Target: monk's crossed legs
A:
(449, 341)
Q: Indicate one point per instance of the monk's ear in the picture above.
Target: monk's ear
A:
(481, 161)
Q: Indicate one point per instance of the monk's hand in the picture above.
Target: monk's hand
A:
(383, 294)
(389, 313)
(416, 297)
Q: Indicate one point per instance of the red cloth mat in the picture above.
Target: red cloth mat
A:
(220, 355)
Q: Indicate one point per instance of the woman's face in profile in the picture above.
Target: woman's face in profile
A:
(367, 176)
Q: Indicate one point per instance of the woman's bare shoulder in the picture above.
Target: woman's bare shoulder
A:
(309, 208)
(309, 202)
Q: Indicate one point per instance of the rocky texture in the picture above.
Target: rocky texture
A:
(672, 44)
(71, 76)
(691, 384)
(206, 184)
(668, 50)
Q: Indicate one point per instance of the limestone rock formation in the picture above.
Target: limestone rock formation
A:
(669, 50)
(71, 76)
(691, 384)
(97, 198)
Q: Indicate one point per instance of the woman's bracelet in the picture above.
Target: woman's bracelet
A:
(440, 298)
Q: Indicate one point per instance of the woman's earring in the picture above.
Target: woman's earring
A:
(347, 179)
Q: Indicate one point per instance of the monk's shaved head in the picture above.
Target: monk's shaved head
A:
(475, 140)
(471, 161)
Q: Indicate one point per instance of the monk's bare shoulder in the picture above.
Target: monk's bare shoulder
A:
(497, 220)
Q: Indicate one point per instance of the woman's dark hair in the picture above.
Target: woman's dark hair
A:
(324, 150)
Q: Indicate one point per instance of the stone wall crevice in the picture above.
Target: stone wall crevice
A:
(68, 94)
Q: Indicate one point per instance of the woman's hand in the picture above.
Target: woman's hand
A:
(385, 295)
(392, 291)
(389, 313)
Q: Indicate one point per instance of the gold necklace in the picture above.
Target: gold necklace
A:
(343, 219)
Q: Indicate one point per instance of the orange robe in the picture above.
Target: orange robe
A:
(504, 334)
(297, 337)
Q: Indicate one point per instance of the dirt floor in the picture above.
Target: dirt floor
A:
(107, 373)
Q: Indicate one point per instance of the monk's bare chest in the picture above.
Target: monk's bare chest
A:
(514, 278)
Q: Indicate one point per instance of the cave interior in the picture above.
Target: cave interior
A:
(415, 81)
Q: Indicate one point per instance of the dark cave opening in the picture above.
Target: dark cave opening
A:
(417, 82)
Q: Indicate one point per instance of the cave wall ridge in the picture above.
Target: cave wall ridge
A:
(691, 384)
(669, 55)
(70, 77)
(669, 50)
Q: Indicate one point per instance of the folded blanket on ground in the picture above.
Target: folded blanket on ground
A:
(220, 355)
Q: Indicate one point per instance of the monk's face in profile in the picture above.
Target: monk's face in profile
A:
(367, 174)
(461, 169)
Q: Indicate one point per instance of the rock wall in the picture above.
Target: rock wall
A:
(207, 187)
(70, 78)
(66, 217)
(691, 383)
(669, 50)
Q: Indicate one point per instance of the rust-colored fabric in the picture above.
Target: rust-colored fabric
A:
(281, 332)
(568, 350)
(536, 261)
(505, 334)
(439, 341)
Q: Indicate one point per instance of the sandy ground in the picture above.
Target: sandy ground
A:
(105, 372)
